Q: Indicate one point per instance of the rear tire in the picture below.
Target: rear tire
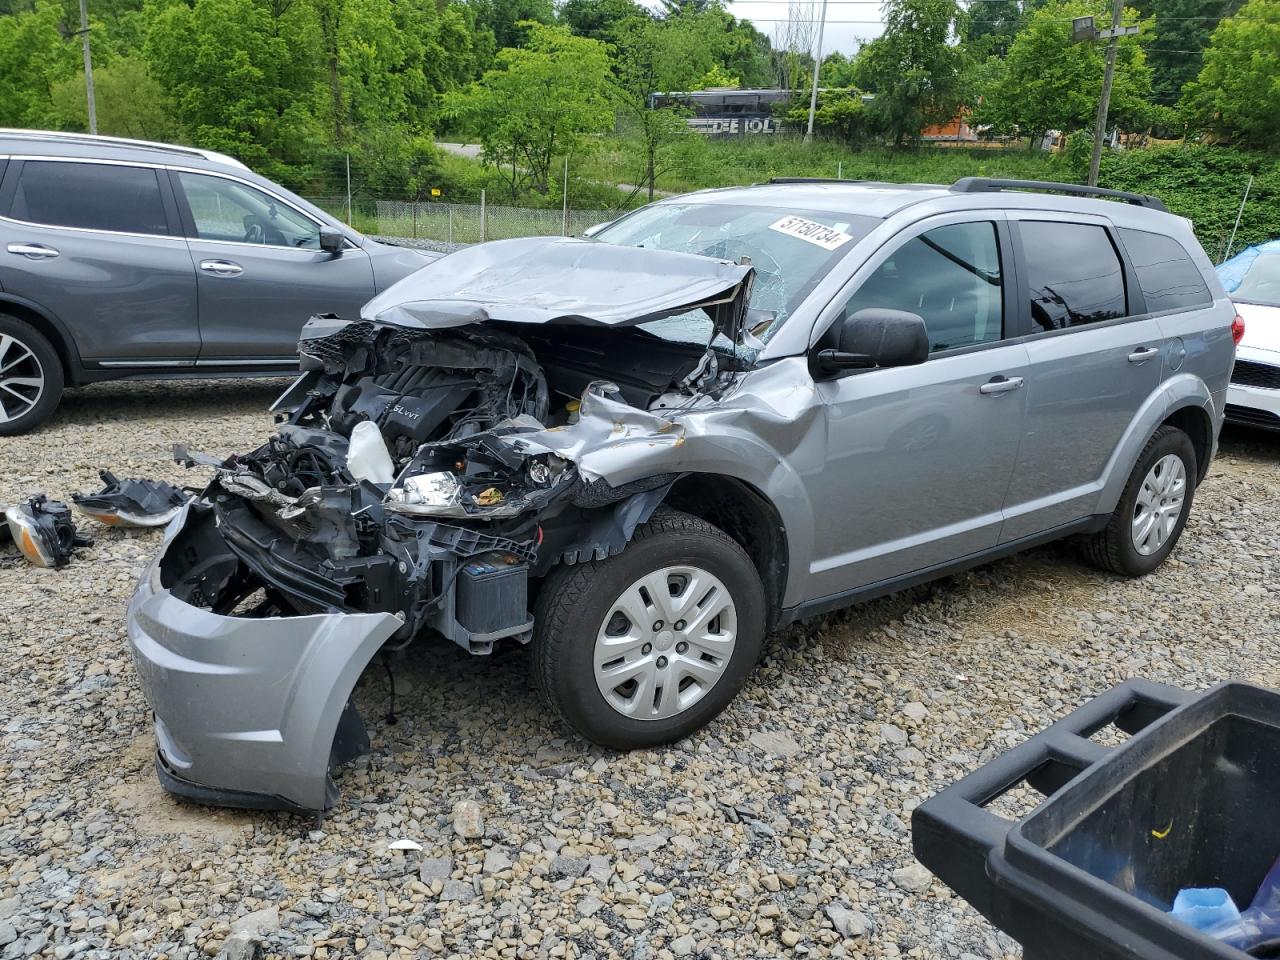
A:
(1153, 508)
(31, 379)
(628, 667)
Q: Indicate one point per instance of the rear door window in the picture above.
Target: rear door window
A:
(1074, 274)
(90, 196)
(1168, 276)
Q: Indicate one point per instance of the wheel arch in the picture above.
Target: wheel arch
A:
(1195, 422)
(48, 327)
(744, 513)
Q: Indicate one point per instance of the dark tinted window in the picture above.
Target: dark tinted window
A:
(950, 276)
(1165, 272)
(95, 196)
(1074, 274)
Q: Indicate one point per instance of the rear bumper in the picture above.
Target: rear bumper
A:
(249, 712)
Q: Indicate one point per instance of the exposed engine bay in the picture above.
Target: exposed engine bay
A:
(430, 469)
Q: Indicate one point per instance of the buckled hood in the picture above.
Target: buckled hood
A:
(541, 280)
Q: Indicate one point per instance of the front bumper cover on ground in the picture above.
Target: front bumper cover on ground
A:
(250, 712)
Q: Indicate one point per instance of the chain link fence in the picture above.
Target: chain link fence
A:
(460, 223)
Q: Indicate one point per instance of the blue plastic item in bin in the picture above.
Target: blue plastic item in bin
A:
(1256, 929)
(1204, 907)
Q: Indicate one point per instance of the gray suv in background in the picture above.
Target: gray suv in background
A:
(640, 452)
(122, 258)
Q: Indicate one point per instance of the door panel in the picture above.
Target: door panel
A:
(919, 458)
(260, 274)
(918, 466)
(124, 295)
(1091, 370)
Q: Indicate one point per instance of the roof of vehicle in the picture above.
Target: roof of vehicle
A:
(881, 200)
(60, 144)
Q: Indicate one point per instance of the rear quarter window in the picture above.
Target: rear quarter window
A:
(1168, 276)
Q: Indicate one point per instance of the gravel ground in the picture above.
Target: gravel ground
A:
(782, 828)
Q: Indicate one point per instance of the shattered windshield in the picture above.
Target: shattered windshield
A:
(791, 251)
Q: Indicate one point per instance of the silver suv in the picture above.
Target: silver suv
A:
(641, 452)
(122, 258)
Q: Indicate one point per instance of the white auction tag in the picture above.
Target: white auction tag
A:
(823, 236)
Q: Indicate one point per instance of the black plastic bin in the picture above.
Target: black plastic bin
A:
(1192, 799)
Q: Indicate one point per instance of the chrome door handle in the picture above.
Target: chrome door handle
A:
(33, 251)
(1142, 354)
(221, 268)
(1000, 384)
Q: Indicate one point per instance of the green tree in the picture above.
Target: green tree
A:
(840, 114)
(502, 18)
(600, 19)
(654, 56)
(914, 69)
(244, 77)
(37, 53)
(838, 70)
(1180, 33)
(991, 27)
(538, 101)
(129, 102)
(1237, 95)
(1048, 83)
(717, 78)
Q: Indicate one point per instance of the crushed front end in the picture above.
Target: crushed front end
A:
(419, 479)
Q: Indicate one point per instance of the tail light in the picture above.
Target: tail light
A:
(1237, 329)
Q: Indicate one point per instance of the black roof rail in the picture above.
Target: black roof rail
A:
(989, 185)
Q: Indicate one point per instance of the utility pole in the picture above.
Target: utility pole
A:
(88, 66)
(1108, 76)
(817, 65)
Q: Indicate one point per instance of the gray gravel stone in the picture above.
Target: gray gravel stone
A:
(468, 819)
(913, 878)
(756, 845)
(435, 868)
(775, 743)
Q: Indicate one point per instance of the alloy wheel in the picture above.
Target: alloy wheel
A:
(21, 379)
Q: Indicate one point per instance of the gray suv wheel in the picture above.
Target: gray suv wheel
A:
(30, 377)
(1153, 509)
(645, 647)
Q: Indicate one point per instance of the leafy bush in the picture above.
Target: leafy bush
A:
(1205, 184)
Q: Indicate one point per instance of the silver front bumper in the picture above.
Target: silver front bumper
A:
(247, 710)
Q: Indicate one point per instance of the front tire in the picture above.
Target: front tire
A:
(30, 377)
(645, 647)
(1153, 508)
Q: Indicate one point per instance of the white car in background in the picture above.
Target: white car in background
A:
(1253, 283)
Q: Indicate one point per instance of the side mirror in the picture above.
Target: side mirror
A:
(331, 240)
(877, 337)
(595, 228)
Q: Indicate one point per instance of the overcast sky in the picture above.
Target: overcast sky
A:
(848, 21)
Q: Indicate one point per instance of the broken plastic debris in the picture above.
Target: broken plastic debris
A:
(131, 503)
(44, 531)
(404, 844)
